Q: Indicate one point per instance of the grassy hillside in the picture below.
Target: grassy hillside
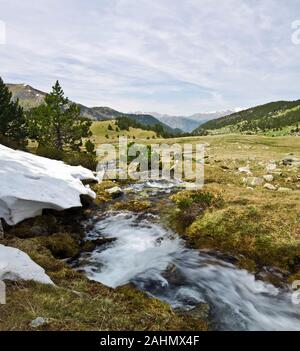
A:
(281, 116)
(144, 119)
(102, 133)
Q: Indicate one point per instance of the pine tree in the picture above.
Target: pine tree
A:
(90, 147)
(12, 119)
(57, 123)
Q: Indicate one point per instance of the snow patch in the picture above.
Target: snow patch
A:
(17, 265)
(29, 184)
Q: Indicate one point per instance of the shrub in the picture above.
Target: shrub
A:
(73, 158)
(81, 159)
(90, 147)
(13, 144)
(49, 152)
(63, 245)
(133, 205)
(192, 204)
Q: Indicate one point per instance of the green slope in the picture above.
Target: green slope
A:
(147, 120)
(273, 116)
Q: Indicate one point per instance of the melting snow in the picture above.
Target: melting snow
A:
(29, 184)
(16, 265)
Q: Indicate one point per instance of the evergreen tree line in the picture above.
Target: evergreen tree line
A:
(272, 116)
(12, 119)
(125, 123)
(56, 126)
(292, 118)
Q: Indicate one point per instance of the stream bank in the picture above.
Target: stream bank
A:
(156, 260)
(129, 246)
(76, 303)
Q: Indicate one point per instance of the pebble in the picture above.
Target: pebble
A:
(268, 178)
(39, 322)
(269, 186)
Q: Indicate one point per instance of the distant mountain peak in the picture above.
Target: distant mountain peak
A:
(189, 123)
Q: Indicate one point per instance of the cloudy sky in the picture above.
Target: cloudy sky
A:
(170, 56)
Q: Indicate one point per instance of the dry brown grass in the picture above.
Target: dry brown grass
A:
(260, 224)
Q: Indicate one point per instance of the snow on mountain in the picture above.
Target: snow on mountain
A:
(29, 184)
(17, 265)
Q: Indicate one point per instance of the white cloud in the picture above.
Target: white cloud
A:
(167, 55)
(2, 33)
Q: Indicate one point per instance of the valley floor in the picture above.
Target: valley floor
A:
(258, 216)
(255, 225)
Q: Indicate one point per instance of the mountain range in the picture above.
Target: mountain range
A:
(189, 123)
(30, 97)
(270, 116)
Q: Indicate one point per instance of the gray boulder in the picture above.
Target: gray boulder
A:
(253, 181)
(268, 178)
(271, 167)
(115, 192)
(269, 186)
(291, 160)
(39, 322)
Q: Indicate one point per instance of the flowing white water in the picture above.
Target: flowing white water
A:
(156, 186)
(157, 261)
